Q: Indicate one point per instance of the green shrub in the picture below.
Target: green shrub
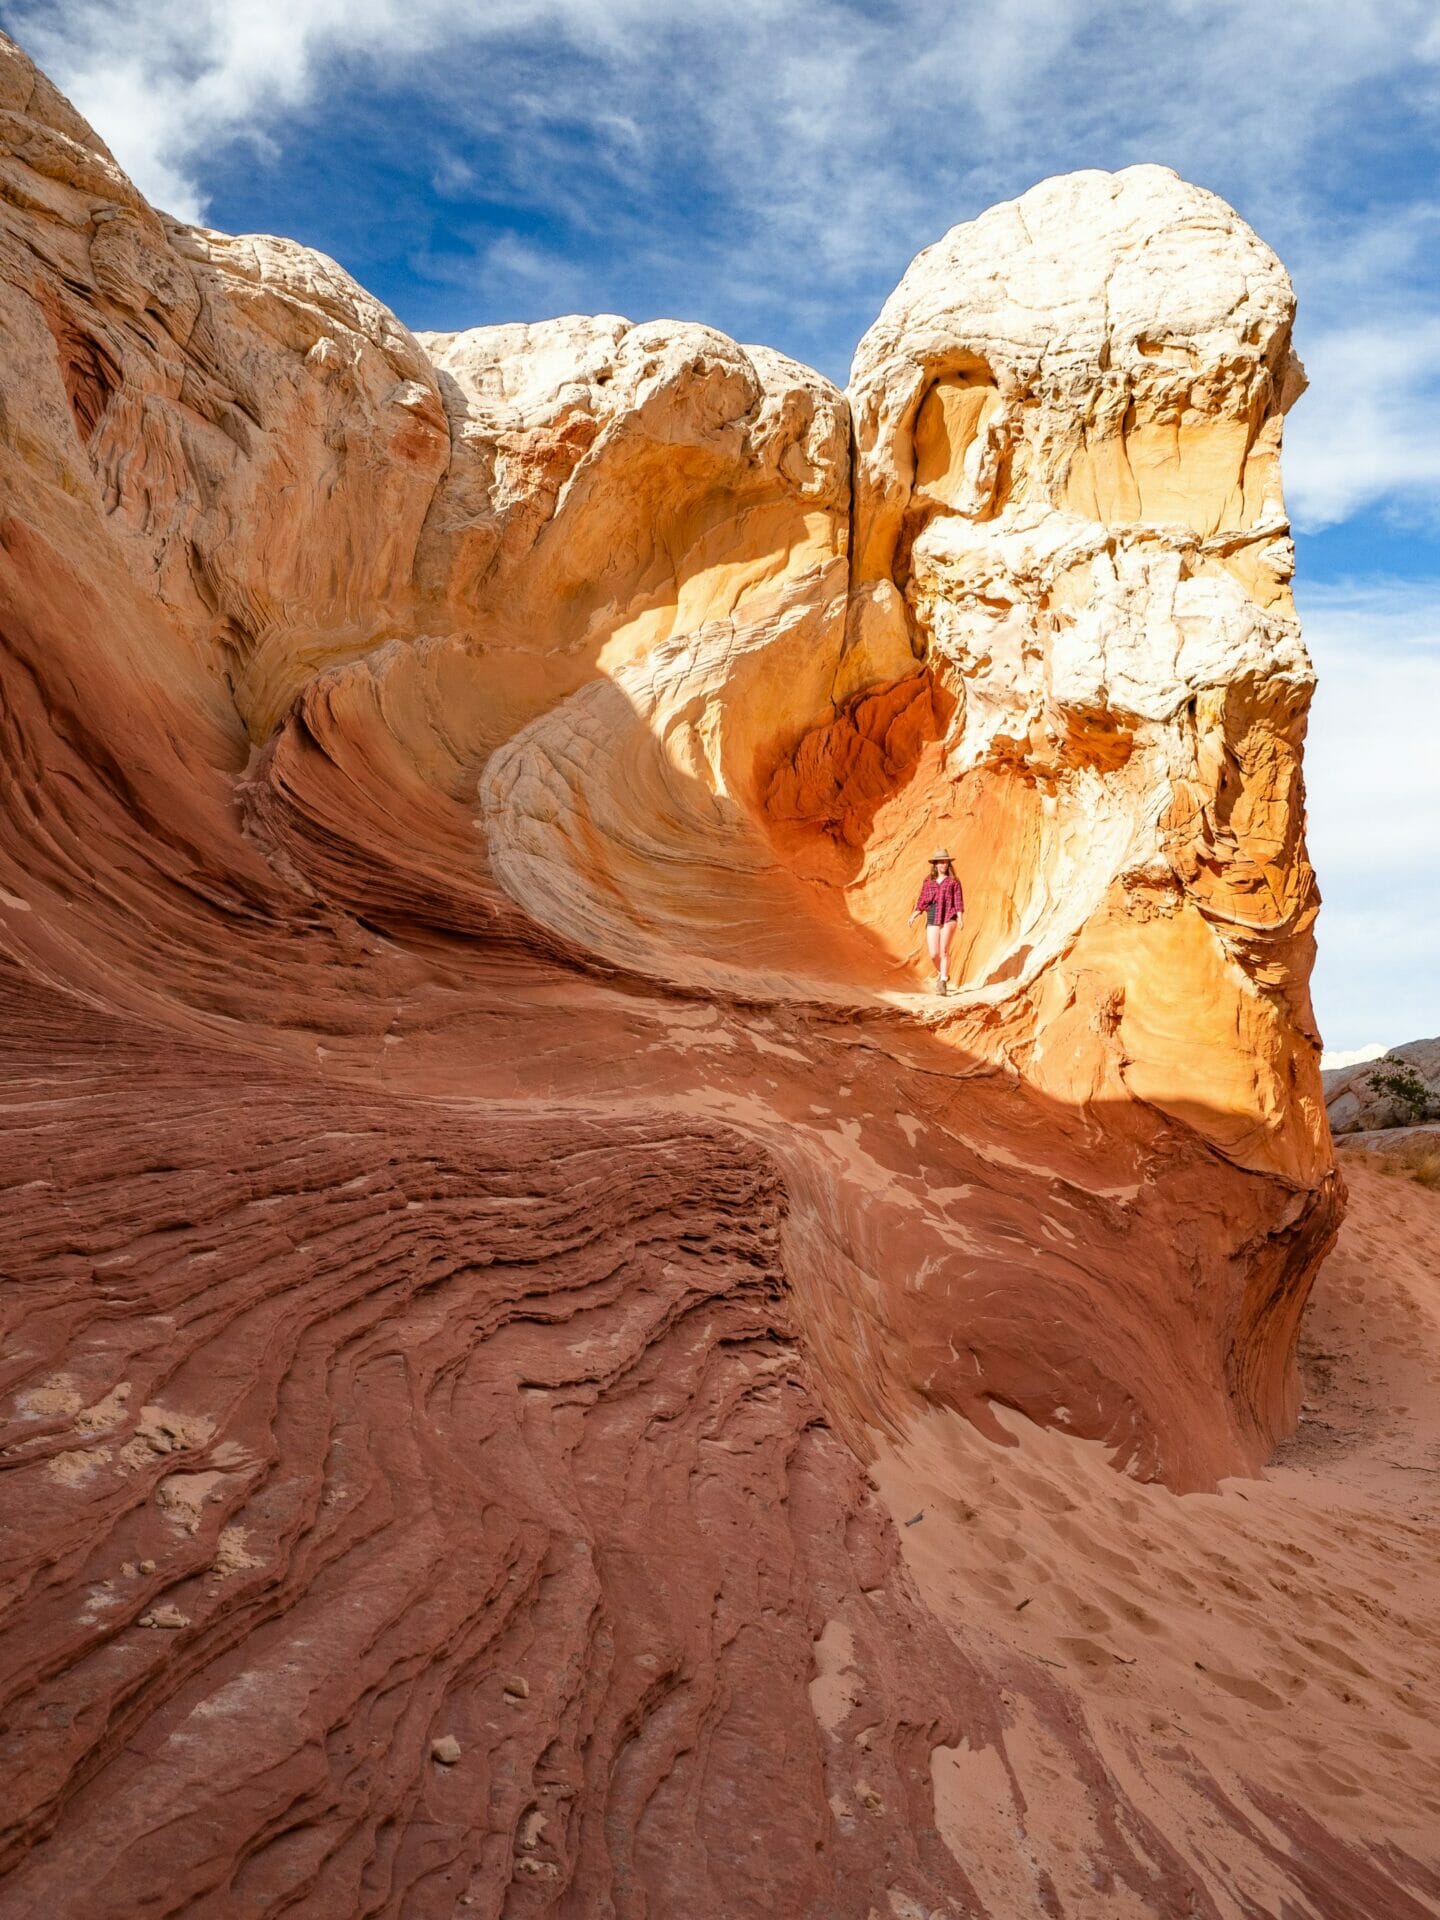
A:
(1394, 1080)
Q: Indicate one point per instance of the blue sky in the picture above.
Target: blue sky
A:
(771, 166)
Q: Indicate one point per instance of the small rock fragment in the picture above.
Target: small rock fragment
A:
(517, 1687)
(166, 1616)
(446, 1749)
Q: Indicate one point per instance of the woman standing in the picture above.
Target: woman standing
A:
(942, 901)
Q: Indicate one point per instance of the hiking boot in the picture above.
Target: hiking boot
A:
(944, 985)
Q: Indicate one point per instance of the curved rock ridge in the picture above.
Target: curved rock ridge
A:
(502, 1241)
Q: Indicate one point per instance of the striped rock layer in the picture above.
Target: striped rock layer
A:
(500, 1239)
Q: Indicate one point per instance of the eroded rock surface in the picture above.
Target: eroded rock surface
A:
(1398, 1089)
(495, 1224)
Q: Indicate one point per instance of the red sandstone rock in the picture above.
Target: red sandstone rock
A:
(496, 1235)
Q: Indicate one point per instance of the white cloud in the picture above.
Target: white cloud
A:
(166, 82)
(1374, 806)
(1354, 1056)
(1369, 428)
(452, 177)
(1367, 433)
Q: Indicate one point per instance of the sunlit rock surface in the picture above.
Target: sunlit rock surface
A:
(500, 1239)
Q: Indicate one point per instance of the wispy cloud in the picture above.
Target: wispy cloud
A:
(1375, 806)
(1369, 429)
(168, 83)
(839, 135)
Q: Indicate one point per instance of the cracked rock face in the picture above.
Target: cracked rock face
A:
(498, 1224)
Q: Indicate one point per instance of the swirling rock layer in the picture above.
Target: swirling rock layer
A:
(543, 1375)
(316, 1512)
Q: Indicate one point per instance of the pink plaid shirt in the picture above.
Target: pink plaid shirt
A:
(948, 896)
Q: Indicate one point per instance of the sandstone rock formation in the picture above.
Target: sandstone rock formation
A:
(500, 1238)
(1399, 1089)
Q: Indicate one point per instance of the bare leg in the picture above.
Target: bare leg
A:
(947, 937)
(933, 936)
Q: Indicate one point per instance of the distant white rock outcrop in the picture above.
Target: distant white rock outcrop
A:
(1399, 1088)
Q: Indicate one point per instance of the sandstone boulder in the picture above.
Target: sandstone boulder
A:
(1400, 1089)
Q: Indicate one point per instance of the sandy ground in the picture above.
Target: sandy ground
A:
(1255, 1669)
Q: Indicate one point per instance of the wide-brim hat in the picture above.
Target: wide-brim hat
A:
(943, 854)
